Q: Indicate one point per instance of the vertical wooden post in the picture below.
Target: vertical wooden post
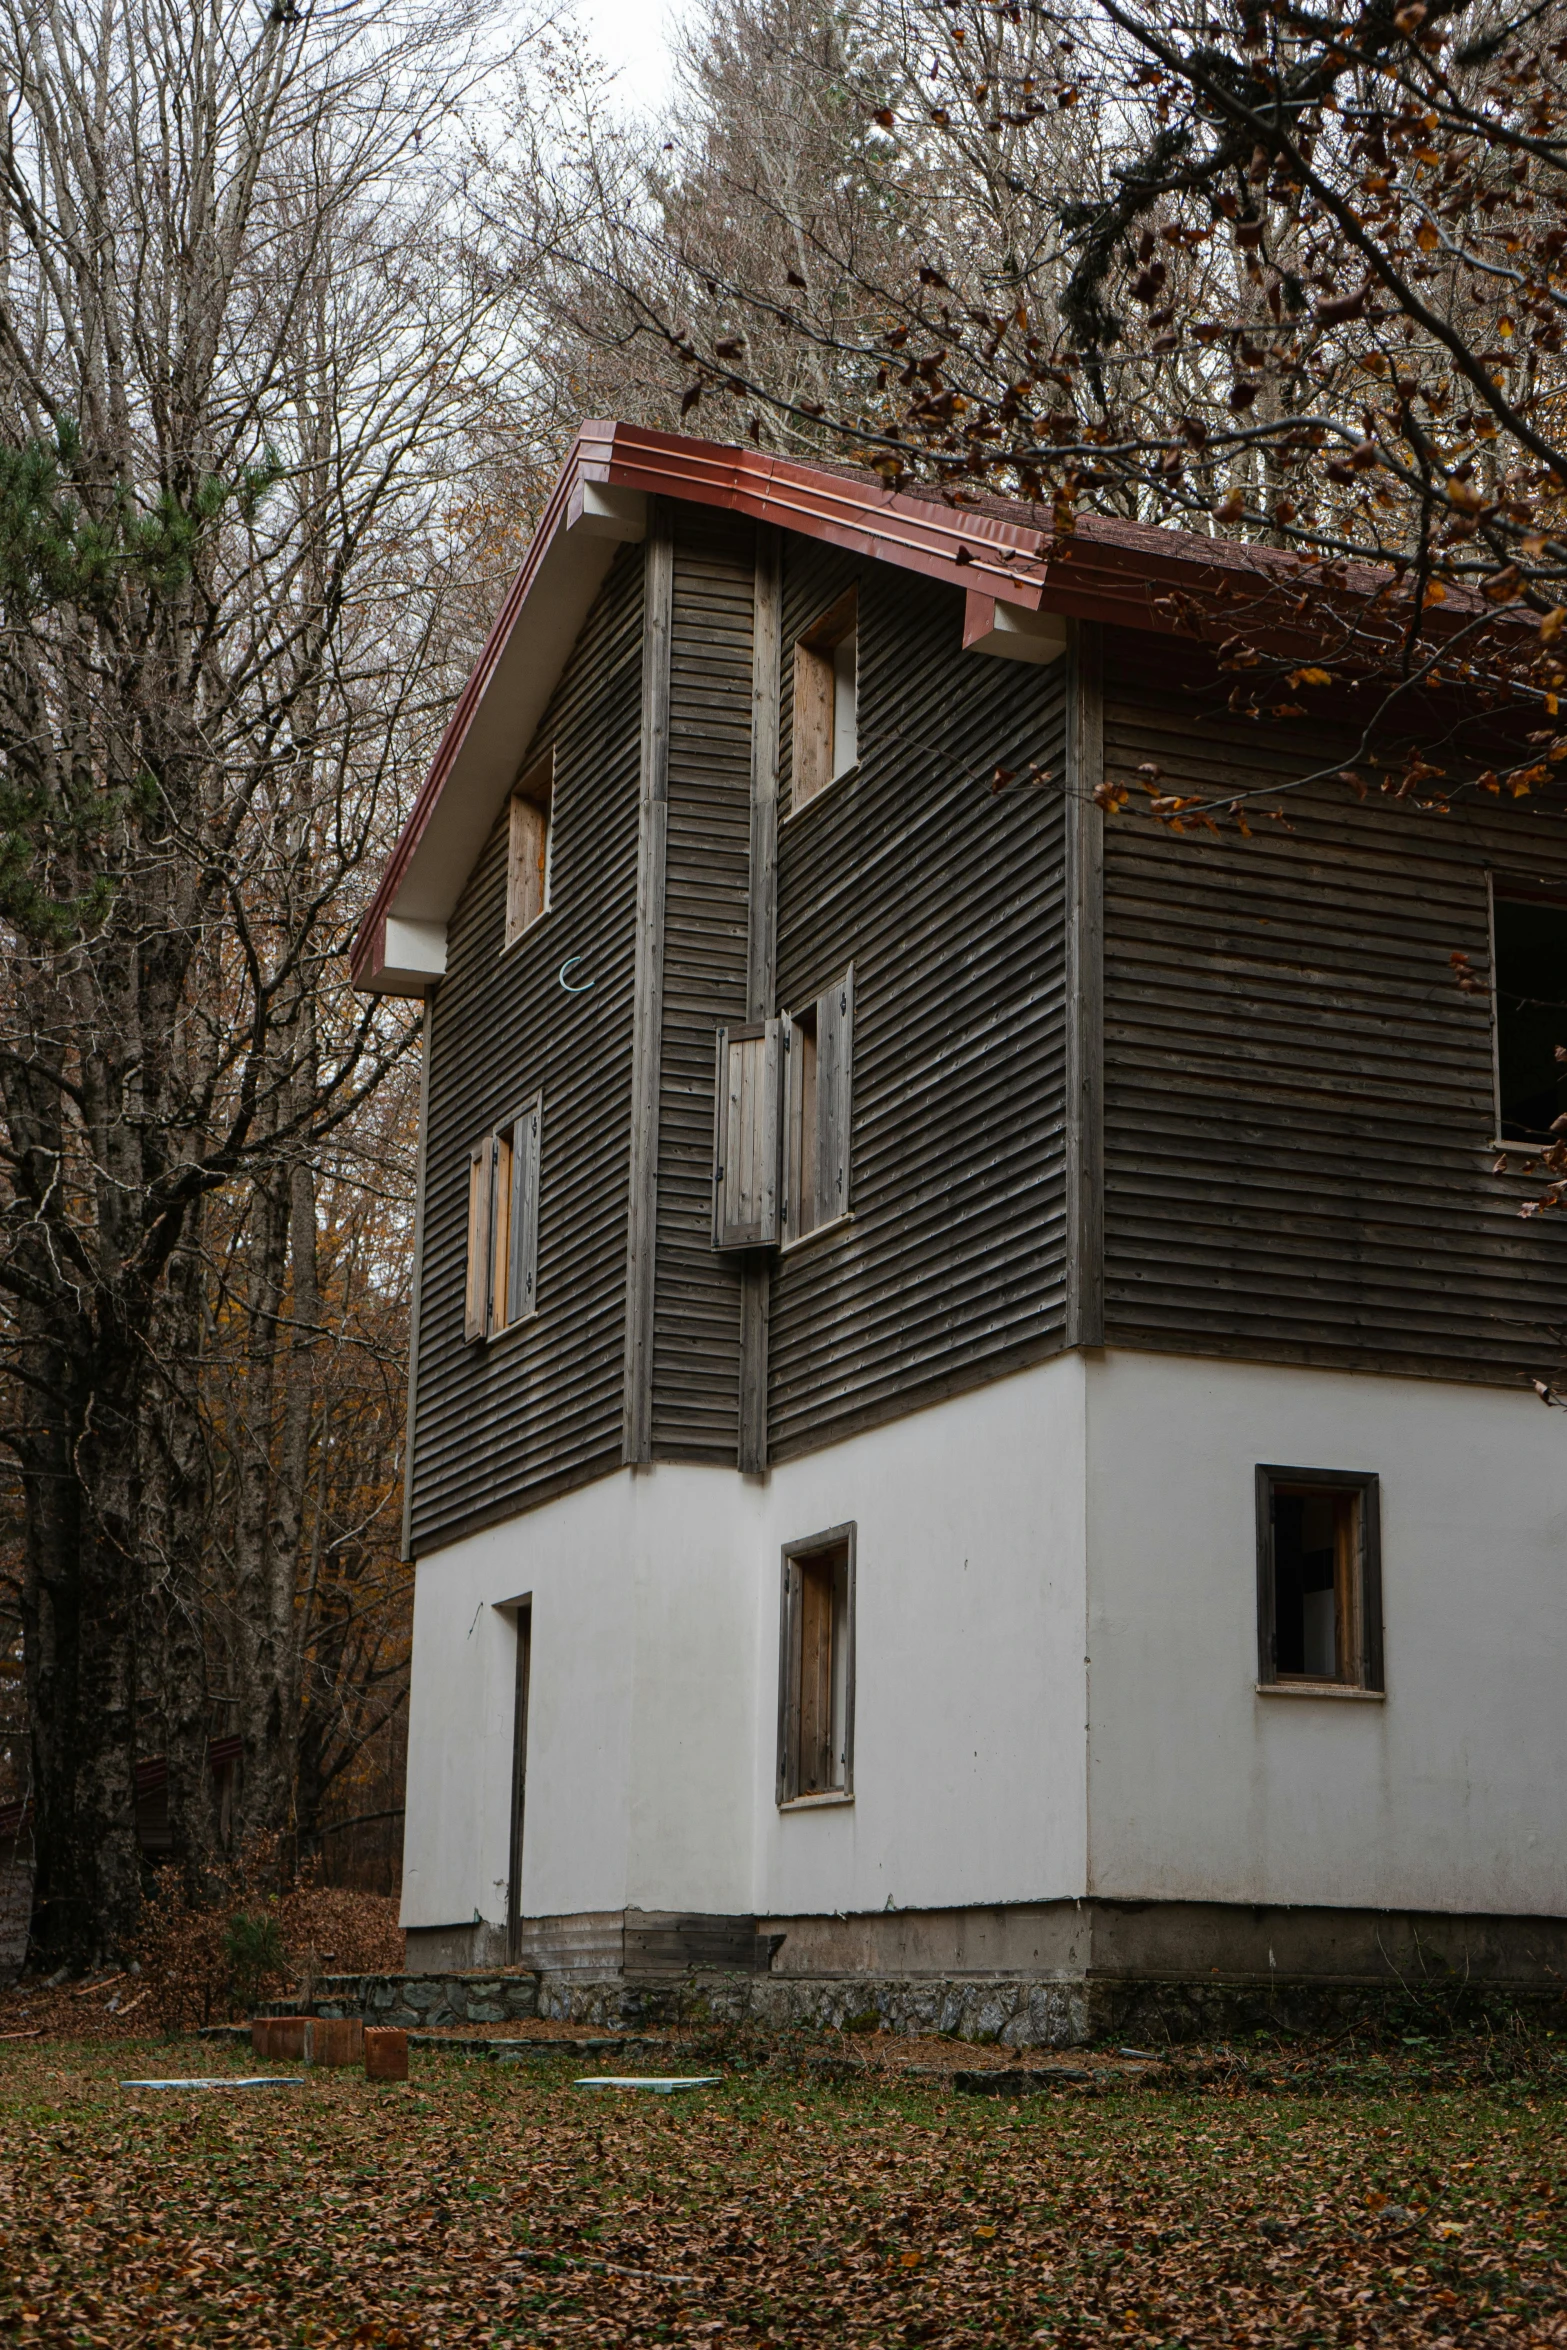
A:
(1085, 1232)
(648, 1010)
(761, 973)
(410, 1421)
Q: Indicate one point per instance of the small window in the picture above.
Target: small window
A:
(816, 1668)
(1319, 1578)
(503, 1226)
(1531, 1014)
(528, 849)
(819, 1062)
(826, 700)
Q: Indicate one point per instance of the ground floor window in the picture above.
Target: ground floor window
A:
(816, 1668)
(1319, 1583)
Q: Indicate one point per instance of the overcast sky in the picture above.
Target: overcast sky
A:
(632, 36)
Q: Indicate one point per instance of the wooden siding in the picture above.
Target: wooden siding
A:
(1298, 1098)
(696, 1334)
(505, 1421)
(948, 900)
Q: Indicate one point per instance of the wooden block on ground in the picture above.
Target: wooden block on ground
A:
(386, 2053)
(284, 2038)
(335, 2040)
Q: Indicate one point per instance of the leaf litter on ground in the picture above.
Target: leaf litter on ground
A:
(481, 2205)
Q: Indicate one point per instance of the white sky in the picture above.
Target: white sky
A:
(632, 37)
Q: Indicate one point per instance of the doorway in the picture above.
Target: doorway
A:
(519, 1780)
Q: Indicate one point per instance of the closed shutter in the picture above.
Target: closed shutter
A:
(524, 1267)
(748, 1088)
(834, 1074)
(476, 1297)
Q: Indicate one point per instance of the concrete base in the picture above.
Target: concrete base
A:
(1043, 1975)
(1058, 1941)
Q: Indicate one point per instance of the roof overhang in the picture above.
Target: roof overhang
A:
(1131, 575)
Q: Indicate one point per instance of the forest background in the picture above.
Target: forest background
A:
(299, 309)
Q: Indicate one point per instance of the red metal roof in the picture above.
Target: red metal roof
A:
(1126, 573)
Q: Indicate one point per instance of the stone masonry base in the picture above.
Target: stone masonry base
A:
(1016, 2013)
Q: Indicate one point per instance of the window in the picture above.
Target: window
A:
(819, 1058)
(528, 849)
(816, 1669)
(503, 1226)
(1530, 963)
(782, 1104)
(826, 700)
(1319, 1579)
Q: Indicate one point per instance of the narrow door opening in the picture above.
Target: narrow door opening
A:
(519, 1783)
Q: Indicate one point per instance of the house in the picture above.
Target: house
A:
(971, 1424)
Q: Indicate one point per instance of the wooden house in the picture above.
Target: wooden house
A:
(971, 1426)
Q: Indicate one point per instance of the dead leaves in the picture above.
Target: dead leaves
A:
(478, 2208)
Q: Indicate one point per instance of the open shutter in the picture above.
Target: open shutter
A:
(748, 1085)
(476, 1298)
(834, 1068)
(500, 1233)
(524, 1275)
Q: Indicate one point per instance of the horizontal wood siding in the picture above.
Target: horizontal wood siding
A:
(1298, 1097)
(511, 1419)
(947, 898)
(696, 1319)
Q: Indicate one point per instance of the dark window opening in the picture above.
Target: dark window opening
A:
(1531, 1016)
(1319, 1578)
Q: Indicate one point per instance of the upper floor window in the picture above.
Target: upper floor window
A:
(1319, 1579)
(1530, 993)
(819, 1063)
(528, 848)
(503, 1225)
(781, 1126)
(826, 699)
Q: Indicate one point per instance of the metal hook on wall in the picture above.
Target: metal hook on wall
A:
(566, 983)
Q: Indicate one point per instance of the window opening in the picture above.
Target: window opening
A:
(1530, 995)
(503, 1225)
(1319, 1578)
(816, 1668)
(528, 849)
(819, 1053)
(826, 700)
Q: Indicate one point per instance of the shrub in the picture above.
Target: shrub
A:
(253, 1947)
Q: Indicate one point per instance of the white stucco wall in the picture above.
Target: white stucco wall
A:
(653, 1701)
(1448, 1796)
(1101, 1504)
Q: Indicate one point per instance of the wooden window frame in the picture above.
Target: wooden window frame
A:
(504, 1175)
(527, 900)
(1365, 1486)
(807, 1146)
(812, 1546)
(813, 764)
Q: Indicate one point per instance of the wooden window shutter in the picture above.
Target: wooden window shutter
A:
(476, 1299)
(834, 1092)
(524, 1265)
(748, 1088)
(814, 1616)
(528, 849)
(500, 1231)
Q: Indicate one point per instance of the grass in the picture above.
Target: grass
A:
(487, 2204)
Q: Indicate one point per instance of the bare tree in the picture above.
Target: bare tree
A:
(241, 359)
